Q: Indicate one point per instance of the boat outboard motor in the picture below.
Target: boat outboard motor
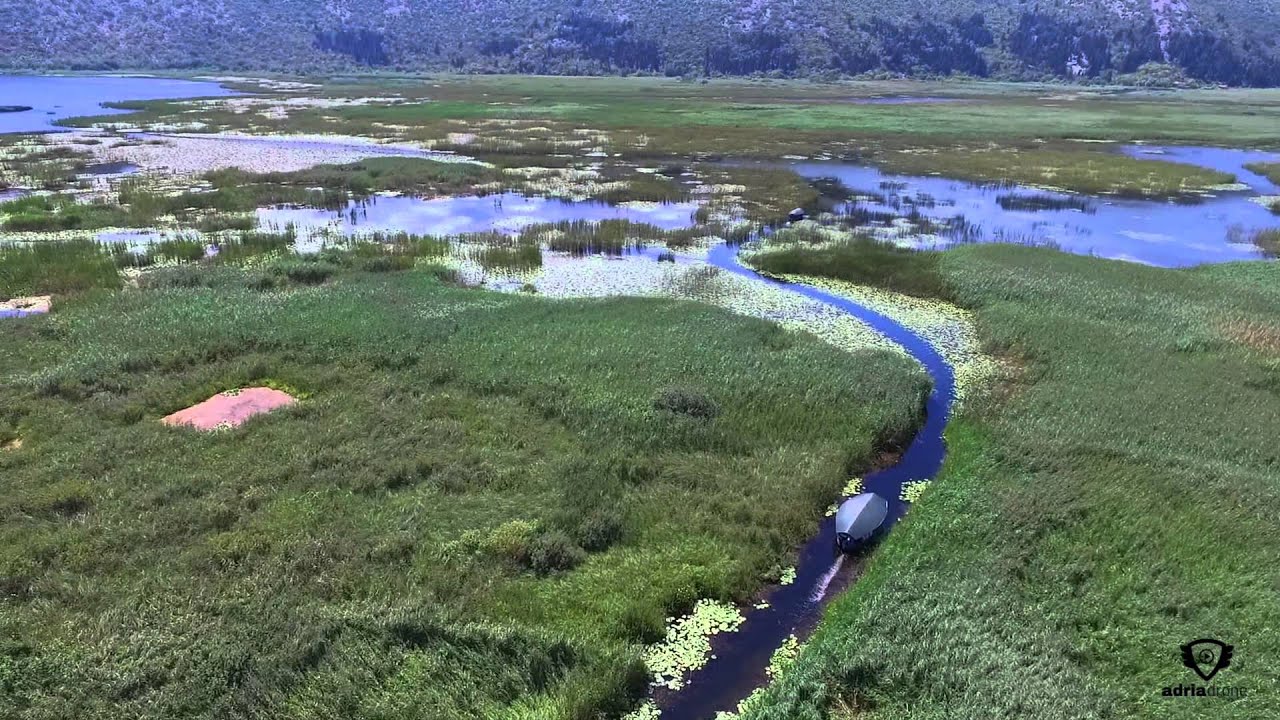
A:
(858, 519)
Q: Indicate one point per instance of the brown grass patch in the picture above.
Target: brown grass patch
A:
(1253, 334)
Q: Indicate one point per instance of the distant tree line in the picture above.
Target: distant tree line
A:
(364, 46)
(795, 38)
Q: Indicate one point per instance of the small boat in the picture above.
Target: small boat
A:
(796, 215)
(858, 518)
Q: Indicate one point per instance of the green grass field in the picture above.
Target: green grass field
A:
(1118, 498)
(483, 506)
(487, 504)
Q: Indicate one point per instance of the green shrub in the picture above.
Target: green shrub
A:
(1268, 241)
(387, 263)
(599, 530)
(552, 551)
(305, 272)
(684, 401)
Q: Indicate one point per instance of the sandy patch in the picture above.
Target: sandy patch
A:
(23, 306)
(231, 408)
(193, 154)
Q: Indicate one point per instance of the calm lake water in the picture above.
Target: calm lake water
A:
(1152, 232)
(54, 98)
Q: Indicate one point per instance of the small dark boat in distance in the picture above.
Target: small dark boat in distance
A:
(14, 108)
(858, 518)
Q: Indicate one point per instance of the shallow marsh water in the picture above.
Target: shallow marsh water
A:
(506, 213)
(1163, 233)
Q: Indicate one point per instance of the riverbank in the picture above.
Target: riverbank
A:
(1115, 501)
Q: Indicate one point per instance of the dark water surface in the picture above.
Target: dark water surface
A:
(56, 97)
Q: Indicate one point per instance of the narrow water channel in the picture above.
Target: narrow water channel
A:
(741, 657)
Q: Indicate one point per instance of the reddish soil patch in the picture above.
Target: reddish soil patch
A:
(231, 408)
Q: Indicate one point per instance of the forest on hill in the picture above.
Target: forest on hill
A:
(1230, 42)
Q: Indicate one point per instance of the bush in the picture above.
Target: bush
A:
(683, 401)
(1268, 240)
(552, 551)
(183, 276)
(305, 272)
(599, 531)
(387, 263)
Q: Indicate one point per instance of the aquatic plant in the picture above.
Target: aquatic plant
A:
(783, 657)
(519, 257)
(648, 710)
(1042, 201)
(853, 487)
(688, 642)
(912, 491)
(55, 267)
(1268, 241)
(949, 329)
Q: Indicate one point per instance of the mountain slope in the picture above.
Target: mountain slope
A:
(1226, 41)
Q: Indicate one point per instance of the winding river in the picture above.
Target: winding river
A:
(741, 657)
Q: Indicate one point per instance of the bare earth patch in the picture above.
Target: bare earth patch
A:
(21, 306)
(1257, 335)
(231, 408)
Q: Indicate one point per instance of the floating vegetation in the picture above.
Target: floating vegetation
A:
(1043, 201)
(783, 657)
(913, 490)
(949, 329)
(788, 576)
(688, 642)
(851, 488)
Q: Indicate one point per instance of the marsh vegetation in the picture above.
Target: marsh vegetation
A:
(499, 505)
